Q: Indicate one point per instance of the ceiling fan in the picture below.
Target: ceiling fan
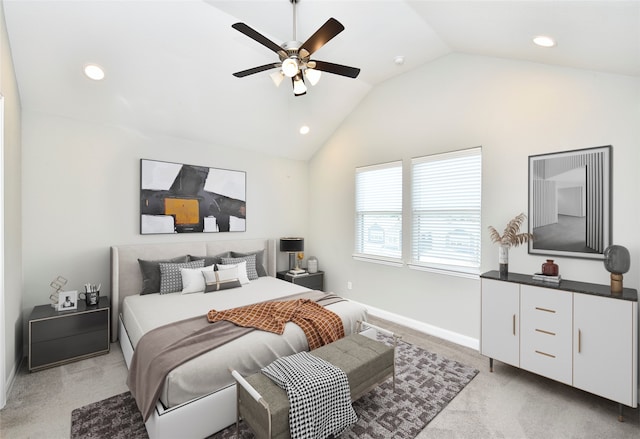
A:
(295, 57)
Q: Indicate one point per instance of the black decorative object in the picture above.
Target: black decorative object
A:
(617, 262)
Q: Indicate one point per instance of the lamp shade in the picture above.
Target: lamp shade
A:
(291, 245)
(299, 88)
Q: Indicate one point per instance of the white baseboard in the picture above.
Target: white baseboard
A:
(426, 328)
(11, 379)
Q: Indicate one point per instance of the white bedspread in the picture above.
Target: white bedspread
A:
(248, 354)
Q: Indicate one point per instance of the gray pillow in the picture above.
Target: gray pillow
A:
(252, 274)
(259, 260)
(151, 273)
(170, 276)
(210, 260)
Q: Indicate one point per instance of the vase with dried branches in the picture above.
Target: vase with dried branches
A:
(511, 237)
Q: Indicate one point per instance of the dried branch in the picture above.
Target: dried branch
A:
(510, 237)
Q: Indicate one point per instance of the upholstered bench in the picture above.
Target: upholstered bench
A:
(265, 407)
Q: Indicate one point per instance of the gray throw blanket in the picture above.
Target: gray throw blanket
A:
(162, 349)
(319, 395)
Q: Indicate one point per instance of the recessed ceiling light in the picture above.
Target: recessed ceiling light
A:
(544, 41)
(304, 129)
(94, 71)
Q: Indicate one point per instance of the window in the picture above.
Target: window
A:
(446, 194)
(379, 213)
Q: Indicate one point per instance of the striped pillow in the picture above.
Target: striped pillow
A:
(221, 280)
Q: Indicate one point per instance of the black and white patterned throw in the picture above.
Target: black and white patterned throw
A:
(319, 395)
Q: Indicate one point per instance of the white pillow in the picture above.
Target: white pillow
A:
(242, 271)
(192, 279)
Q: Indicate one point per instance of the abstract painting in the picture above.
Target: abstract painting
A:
(179, 198)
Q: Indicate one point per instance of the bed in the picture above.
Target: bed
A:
(199, 397)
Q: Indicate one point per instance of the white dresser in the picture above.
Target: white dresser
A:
(576, 333)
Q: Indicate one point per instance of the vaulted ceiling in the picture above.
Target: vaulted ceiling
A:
(169, 64)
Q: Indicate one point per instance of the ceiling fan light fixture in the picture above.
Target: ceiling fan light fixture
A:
(277, 78)
(290, 67)
(313, 75)
(299, 87)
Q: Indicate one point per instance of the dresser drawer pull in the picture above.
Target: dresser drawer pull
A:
(545, 332)
(514, 324)
(579, 341)
(545, 310)
(545, 354)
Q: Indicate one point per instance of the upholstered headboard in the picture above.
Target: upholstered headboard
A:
(126, 278)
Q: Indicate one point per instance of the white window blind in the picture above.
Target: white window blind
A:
(378, 226)
(446, 195)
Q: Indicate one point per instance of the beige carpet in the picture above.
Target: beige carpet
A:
(508, 403)
(425, 383)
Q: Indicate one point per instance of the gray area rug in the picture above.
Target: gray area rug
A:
(425, 384)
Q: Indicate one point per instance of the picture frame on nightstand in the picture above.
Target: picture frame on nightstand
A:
(67, 300)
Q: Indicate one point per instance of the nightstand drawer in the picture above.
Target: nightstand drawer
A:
(61, 327)
(63, 349)
(313, 281)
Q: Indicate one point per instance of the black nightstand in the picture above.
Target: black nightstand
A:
(313, 281)
(57, 337)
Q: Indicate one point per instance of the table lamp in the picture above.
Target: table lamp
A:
(292, 246)
(617, 262)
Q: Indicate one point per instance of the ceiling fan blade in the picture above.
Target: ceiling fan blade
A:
(257, 36)
(337, 69)
(259, 69)
(326, 32)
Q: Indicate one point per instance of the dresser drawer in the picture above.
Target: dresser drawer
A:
(546, 332)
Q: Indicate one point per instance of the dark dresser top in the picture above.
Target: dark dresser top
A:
(565, 285)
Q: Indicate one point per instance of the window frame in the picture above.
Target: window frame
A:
(359, 253)
(464, 269)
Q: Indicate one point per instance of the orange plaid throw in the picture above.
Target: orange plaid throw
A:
(320, 325)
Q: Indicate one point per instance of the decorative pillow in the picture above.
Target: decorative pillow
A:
(259, 260)
(242, 270)
(170, 277)
(192, 280)
(151, 273)
(221, 279)
(252, 274)
(211, 260)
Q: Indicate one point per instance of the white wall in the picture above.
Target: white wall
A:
(11, 280)
(81, 186)
(513, 110)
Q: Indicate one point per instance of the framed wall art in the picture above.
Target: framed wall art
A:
(570, 203)
(179, 198)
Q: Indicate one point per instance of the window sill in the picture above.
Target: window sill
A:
(378, 260)
(469, 273)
